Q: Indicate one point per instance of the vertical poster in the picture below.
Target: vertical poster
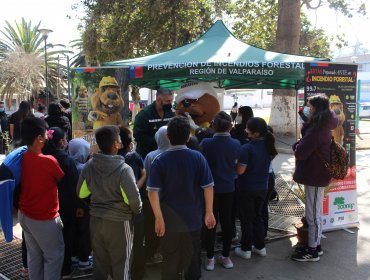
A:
(97, 100)
(338, 82)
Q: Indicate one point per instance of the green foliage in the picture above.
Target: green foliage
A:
(256, 22)
(123, 29)
(313, 41)
(117, 29)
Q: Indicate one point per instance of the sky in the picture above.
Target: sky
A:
(53, 15)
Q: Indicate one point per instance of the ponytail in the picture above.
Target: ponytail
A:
(270, 144)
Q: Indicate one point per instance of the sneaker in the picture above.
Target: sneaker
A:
(303, 248)
(24, 272)
(74, 261)
(210, 264)
(243, 254)
(262, 252)
(155, 259)
(225, 262)
(319, 250)
(306, 256)
(85, 265)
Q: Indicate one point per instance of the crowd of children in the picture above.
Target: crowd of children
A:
(127, 211)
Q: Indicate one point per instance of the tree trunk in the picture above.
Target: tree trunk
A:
(283, 109)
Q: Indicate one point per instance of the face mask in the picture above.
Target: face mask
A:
(166, 107)
(306, 112)
(238, 119)
(2, 110)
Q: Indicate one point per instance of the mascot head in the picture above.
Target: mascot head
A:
(82, 91)
(337, 106)
(109, 98)
(199, 99)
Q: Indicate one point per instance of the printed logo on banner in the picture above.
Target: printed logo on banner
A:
(341, 219)
(324, 221)
(342, 206)
(331, 220)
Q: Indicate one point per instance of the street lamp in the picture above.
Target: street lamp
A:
(45, 32)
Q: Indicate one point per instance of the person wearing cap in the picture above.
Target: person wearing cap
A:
(150, 119)
(198, 102)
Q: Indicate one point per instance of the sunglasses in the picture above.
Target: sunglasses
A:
(188, 102)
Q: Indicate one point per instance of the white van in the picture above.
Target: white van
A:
(364, 110)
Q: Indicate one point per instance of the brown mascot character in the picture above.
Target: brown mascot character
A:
(107, 103)
(82, 102)
(337, 106)
(199, 102)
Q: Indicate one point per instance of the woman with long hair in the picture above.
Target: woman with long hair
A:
(17, 118)
(310, 170)
(57, 118)
(238, 131)
(253, 169)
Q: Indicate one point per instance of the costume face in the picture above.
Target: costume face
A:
(82, 92)
(110, 100)
(202, 110)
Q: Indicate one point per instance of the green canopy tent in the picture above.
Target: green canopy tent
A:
(219, 57)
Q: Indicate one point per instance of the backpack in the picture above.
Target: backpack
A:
(339, 161)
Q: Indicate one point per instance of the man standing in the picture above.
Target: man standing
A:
(150, 119)
(3, 127)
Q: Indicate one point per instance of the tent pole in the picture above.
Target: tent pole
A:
(296, 113)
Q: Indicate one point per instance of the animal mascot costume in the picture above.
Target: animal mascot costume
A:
(82, 102)
(107, 104)
(199, 102)
(337, 106)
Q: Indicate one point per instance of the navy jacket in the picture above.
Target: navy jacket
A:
(310, 169)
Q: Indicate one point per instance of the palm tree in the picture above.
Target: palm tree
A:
(22, 62)
(79, 59)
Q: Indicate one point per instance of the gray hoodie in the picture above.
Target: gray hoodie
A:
(163, 144)
(111, 183)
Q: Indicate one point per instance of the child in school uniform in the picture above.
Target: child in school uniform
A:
(253, 169)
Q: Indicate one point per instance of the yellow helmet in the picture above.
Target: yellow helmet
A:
(108, 81)
(334, 99)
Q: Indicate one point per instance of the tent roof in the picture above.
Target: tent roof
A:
(216, 47)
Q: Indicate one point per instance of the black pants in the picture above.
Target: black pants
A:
(151, 239)
(24, 252)
(181, 254)
(81, 237)
(234, 212)
(222, 209)
(250, 205)
(138, 251)
(265, 210)
(68, 229)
